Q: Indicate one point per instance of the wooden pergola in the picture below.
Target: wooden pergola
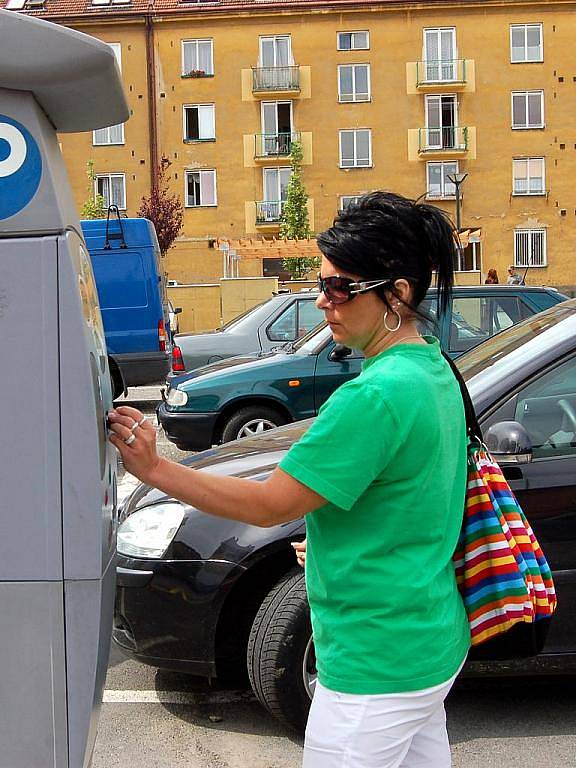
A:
(282, 248)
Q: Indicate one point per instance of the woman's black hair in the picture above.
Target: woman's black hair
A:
(384, 235)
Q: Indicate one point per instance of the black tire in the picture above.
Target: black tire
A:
(250, 415)
(277, 649)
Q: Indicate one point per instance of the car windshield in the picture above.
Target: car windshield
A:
(308, 344)
(500, 345)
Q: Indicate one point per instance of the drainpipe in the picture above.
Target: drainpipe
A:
(152, 112)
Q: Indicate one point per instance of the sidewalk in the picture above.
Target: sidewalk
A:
(141, 395)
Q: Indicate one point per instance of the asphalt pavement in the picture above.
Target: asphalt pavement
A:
(158, 719)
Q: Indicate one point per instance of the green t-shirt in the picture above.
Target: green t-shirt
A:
(388, 453)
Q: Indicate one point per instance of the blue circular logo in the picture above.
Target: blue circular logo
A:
(20, 167)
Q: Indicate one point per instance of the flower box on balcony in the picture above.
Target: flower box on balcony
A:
(196, 73)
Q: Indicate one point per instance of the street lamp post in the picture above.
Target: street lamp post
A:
(458, 179)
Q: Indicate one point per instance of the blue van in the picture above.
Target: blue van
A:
(132, 291)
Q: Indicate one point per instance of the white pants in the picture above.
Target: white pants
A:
(398, 730)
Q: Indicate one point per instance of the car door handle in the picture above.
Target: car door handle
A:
(512, 472)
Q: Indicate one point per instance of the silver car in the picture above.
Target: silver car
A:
(281, 319)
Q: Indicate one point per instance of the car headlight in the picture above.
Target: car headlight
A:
(148, 532)
(176, 398)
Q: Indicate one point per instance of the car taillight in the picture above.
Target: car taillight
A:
(177, 361)
(161, 336)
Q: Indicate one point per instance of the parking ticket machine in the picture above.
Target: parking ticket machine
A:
(57, 468)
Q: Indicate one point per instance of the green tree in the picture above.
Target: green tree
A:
(94, 207)
(294, 221)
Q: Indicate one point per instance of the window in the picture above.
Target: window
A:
(438, 184)
(200, 188)
(530, 248)
(275, 182)
(277, 129)
(440, 54)
(295, 322)
(528, 109)
(110, 2)
(276, 51)
(197, 58)
(526, 43)
(114, 134)
(354, 82)
(476, 318)
(199, 122)
(528, 176)
(546, 408)
(356, 148)
(347, 200)
(112, 187)
(442, 123)
(353, 41)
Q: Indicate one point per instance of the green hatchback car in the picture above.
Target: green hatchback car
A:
(248, 394)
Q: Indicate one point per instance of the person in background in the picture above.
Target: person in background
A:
(514, 278)
(380, 476)
(491, 277)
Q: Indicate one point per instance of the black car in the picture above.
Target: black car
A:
(217, 598)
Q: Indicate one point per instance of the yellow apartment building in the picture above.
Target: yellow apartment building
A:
(469, 104)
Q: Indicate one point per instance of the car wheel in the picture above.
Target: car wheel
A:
(281, 659)
(250, 421)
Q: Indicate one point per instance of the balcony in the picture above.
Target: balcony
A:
(269, 80)
(443, 141)
(445, 73)
(268, 146)
(268, 211)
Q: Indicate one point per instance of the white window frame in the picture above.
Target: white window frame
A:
(196, 41)
(528, 160)
(262, 38)
(276, 103)
(354, 94)
(526, 94)
(353, 47)
(201, 172)
(278, 170)
(443, 195)
(105, 133)
(102, 137)
(200, 138)
(111, 2)
(352, 199)
(355, 131)
(526, 60)
(446, 70)
(110, 176)
(529, 262)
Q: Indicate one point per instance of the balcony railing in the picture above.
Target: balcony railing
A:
(445, 71)
(443, 139)
(269, 211)
(274, 144)
(276, 78)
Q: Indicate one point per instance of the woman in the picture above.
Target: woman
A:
(381, 476)
(491, 277)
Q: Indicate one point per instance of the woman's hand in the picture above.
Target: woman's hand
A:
(135, 438)
(300, 549)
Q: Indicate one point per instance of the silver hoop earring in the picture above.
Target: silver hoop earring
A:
(398, 324)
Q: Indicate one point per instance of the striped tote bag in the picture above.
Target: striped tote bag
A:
(501, 571)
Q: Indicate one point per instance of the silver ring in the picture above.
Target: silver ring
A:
(143, 420)
(137, 424)
(130, 439)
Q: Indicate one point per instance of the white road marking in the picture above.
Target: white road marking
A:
(175, 697)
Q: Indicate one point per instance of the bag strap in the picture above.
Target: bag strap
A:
(472, 426)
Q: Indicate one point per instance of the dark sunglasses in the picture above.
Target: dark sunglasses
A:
(339, 290)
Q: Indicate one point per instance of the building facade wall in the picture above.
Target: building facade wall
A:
(395, 113)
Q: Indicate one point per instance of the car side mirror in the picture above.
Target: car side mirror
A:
(339, 353)
(509, 443)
